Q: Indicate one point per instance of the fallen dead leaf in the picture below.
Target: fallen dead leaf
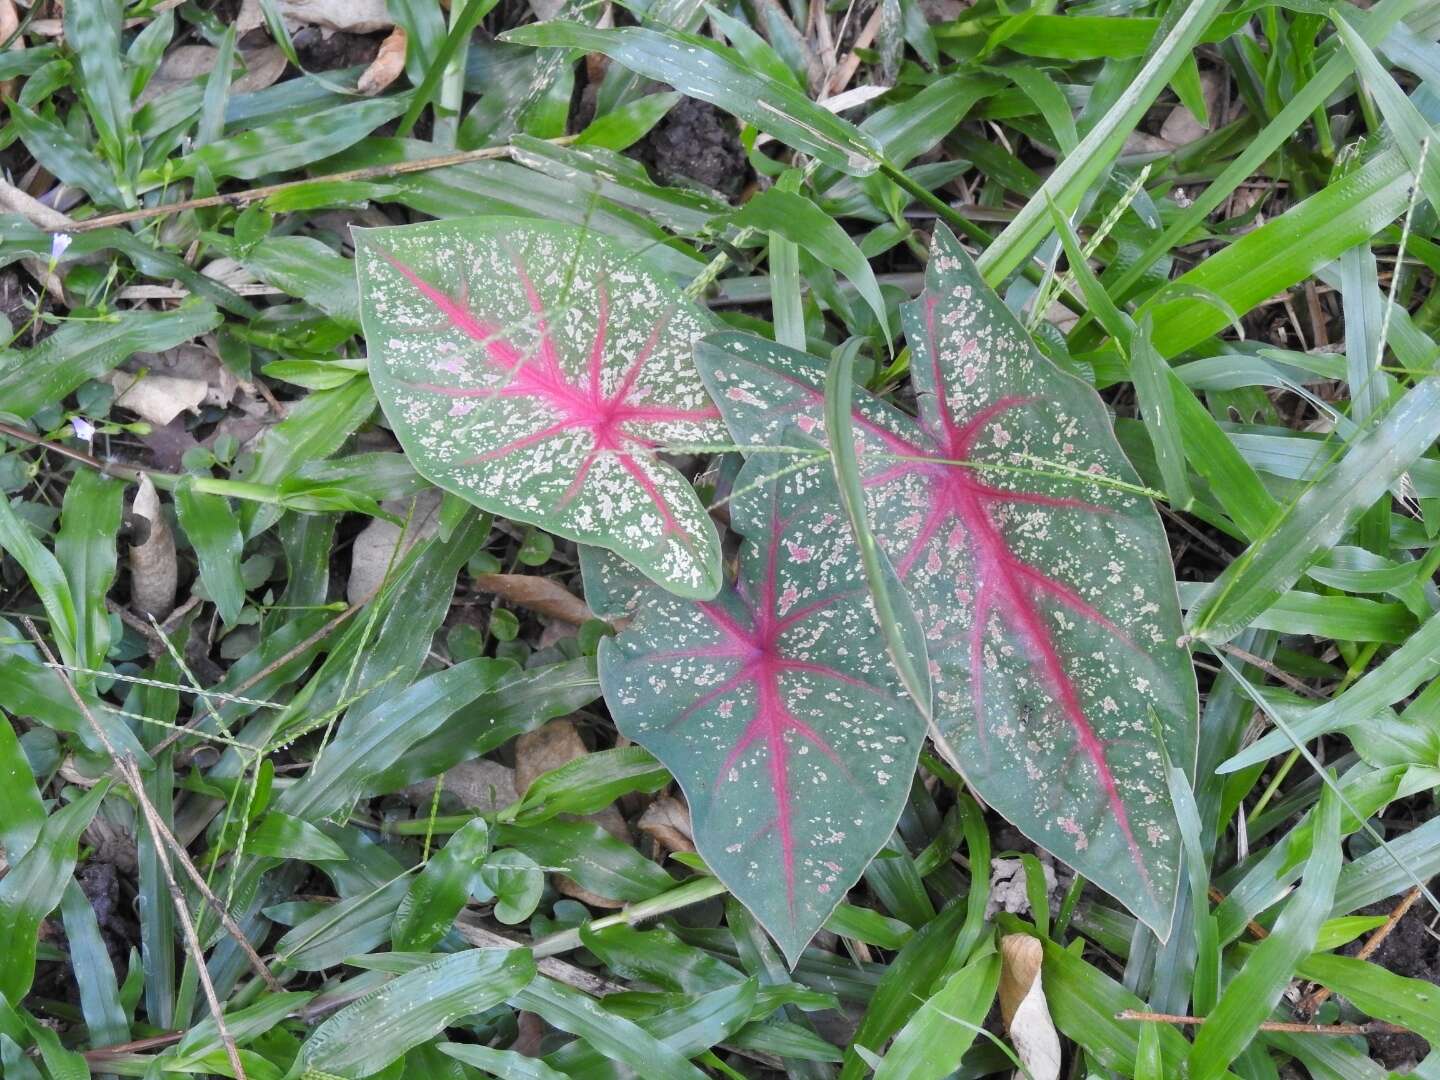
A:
(156, 398)
(9, 23)
(537, 752)
(549, 747)
(1024, 1009)
(371, 554)
(196, 361)
(353, 16)
(1181, 126)
(667, 822)
(539, 594)
(14, 200)
(389, 62)
(153, 569)
(483, 785)
(263, 67)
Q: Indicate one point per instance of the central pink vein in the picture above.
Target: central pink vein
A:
(578, 407)
(1006, 585)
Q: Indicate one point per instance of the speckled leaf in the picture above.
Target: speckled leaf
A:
(775, 706)
(534, 369)
(1047, 600)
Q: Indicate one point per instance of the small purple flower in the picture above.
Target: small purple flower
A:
(84, 430)
(58, 243)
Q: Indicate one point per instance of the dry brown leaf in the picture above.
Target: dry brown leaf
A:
(157, 398)
(480, 785)
(575, 891)
(667, 822)
(352, 16)
(183, 65)
(1181, 128)
(153, 569)
(370, 555)
(559, 743)
(389, 62)
(549, 747)
(9, 23)
(539, 594)
(1024, 1009)
(536, 752)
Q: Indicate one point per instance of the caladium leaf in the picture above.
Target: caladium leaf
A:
(534, 369)
(1043, 582)
(774, 705)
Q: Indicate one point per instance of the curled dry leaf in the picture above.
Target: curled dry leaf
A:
(156, 398)
(1024, 1009)
(1182, 127)
(389, 62)
(539, 594)
(9, 23)
(537, 752)
(352, 16)
(374, 549)
(183, 65)
(667, 822)
(482, 785)
(153, 571)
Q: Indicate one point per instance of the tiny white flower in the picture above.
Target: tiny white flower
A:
(58, 243)
(83, 429)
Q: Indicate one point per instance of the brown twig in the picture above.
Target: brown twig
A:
(245, 198)
(130, 773)
(277, 664)
(135, 1046)
(1256, 930)
(1270, 669)
(1373, 1027)
(1317, 997)
(120, 472)
(846, 71)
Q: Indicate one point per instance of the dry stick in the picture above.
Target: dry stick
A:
(121, 472)
(1270, 669)
(131, 775)
(1374, 1027)
(277, 664)
(841, 79)
(244, 198)
(1312, 1001)
(1256, 930)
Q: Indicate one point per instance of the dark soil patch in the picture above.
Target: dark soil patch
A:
(697, 142)
(1412, 951)
(340, 50)
(14, 303)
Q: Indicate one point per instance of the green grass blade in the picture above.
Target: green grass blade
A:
(1067, 185)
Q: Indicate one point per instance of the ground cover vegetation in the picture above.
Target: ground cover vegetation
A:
(566, 539)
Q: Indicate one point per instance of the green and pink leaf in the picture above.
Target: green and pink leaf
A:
(774, 705)
(1044, 591)
(535, 369)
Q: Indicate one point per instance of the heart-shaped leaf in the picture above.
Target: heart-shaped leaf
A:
(534, 369)
(774, 705)
(1040, 576)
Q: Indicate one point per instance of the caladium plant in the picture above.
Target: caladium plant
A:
(775, 704)
(1040, 575)
(534, 369)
